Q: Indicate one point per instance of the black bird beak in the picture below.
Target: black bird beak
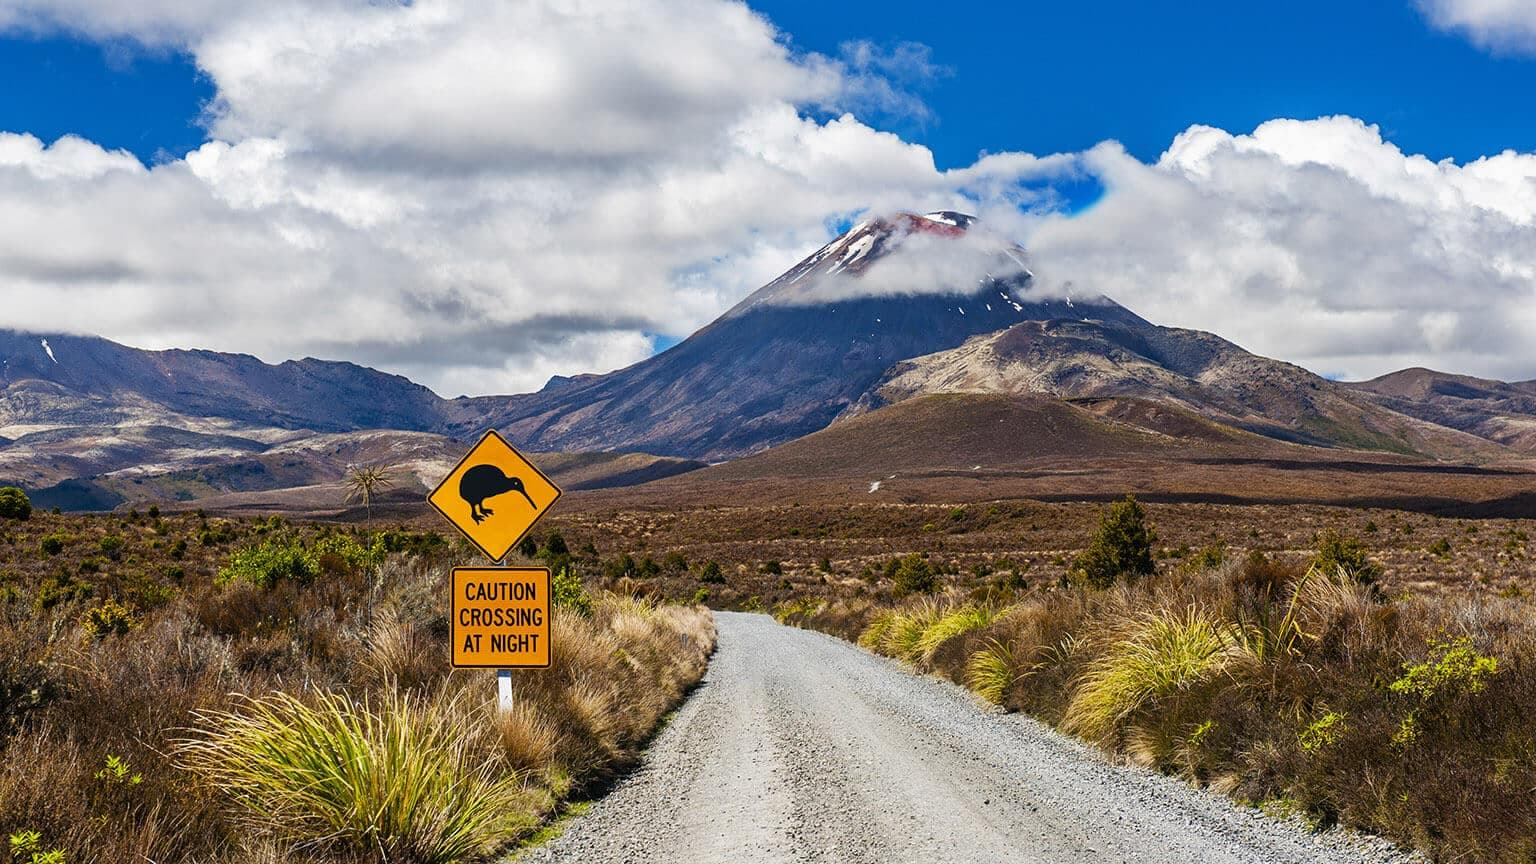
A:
(524, 493)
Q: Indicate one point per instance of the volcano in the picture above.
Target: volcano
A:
(801, 351)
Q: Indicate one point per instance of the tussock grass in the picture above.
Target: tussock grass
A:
(1136, 684)
(991, 671)
(873, 635)
(400, 778)
(903, 639)
(950, 625)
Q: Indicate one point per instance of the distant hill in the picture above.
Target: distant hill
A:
(1198, 372)
(1499, 412)
(56, 379)
(964, 447)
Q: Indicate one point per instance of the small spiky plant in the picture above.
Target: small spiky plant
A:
(366, 481)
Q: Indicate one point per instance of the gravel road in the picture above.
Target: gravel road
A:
(798, 747)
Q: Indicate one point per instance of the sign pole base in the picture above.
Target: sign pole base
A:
(504, 691)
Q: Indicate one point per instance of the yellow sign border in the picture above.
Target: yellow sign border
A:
(492, 433)
(549, 624)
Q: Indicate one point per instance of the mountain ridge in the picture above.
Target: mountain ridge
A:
(896, 309)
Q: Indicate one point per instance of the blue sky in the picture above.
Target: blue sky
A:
(494, 193)
(1039, 77)
(1058, 77)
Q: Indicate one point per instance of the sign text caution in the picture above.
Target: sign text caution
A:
(500, 617)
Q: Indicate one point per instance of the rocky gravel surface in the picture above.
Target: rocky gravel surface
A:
(798, 747)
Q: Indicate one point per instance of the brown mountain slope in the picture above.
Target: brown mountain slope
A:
(951, 431)
(1187, 369)
(962, 447)
(1495, 410)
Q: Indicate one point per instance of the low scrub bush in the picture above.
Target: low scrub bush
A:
(1338, 553)
(914, 575)
(108, 619)
(14, 504)
(568, 592)
(269, 565)
(1122, 546)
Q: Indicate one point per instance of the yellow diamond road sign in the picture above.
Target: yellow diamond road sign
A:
(494, 495)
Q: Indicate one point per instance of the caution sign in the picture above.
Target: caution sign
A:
(500, 617)
(494, 495)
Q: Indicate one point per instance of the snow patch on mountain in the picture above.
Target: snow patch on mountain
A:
(942, 252)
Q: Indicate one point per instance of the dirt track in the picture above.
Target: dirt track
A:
(798, 747)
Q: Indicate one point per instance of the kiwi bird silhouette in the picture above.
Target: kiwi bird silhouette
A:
(487, 481)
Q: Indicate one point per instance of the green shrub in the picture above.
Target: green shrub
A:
(343, 552)
(620, 567)
(1208, 557)
(14, 504)
(1323, 732)
(1337, 553)
(396, 782)
(52, 544)
(268, 564)
(109, 619)
(27, 848)
(567, 592)
(1453, 669)
(1122, 546)
(914, 575)
(111, 546)
(711, 573)
(52, 591)
(115, 772)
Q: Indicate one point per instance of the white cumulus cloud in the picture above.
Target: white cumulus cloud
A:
(475, 193)
(1316, 242)
(1499, 25)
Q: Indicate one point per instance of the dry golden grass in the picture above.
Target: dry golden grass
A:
(369, 635)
